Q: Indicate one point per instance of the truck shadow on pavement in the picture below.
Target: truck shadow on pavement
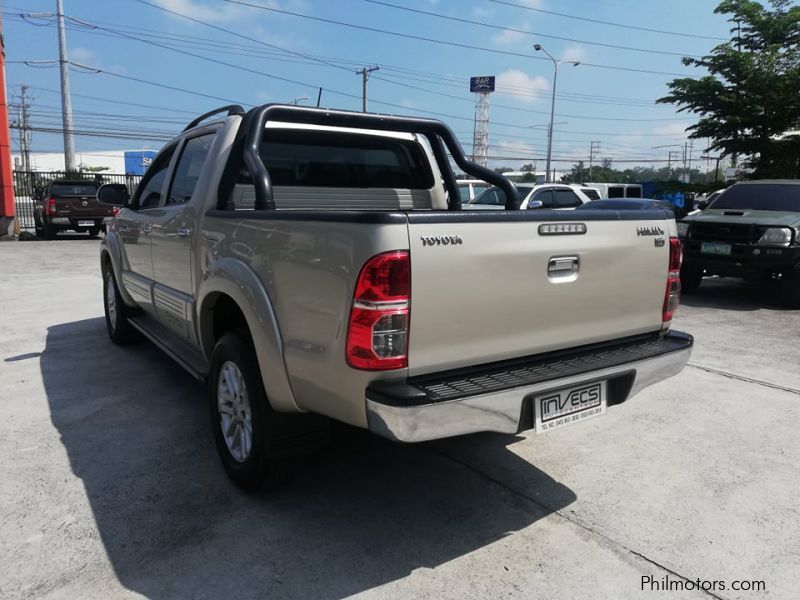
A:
(362, 513)
(734, 294)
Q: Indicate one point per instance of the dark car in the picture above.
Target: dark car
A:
(751, 231)
(70, 204)
(628, 204)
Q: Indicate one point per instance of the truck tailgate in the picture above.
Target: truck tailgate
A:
(490, 286)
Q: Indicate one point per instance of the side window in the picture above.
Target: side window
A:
(188, 170)
(148, 195)
(566, 199)
(463, 192)
(616, 191)
(545, 197)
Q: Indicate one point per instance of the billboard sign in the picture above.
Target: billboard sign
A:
(136, 162)
(481, 85)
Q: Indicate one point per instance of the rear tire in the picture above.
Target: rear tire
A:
(117, 312)
(691, 278)
(790, 287)
(242, 421)
(49, 231)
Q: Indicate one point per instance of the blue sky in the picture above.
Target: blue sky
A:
(613, 106)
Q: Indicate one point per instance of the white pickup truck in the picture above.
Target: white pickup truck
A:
(313, 264)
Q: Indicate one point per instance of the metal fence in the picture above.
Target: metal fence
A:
(29, 187)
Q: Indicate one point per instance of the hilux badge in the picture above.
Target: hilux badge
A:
(640, 231)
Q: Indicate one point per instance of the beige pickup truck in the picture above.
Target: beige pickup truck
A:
(314, 264)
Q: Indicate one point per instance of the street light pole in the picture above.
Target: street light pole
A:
(556, 64)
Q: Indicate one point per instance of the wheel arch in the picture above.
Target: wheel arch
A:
(232, 295)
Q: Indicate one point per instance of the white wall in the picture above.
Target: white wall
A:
(54, 161)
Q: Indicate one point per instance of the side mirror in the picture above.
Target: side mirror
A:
(113, 194)
(535, 204)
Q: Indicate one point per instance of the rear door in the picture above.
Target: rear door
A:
(173, 235)
(508, 290)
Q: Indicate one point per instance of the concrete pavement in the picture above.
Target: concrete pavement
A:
(110, 486)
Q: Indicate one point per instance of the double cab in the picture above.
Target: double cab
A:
(315, 264)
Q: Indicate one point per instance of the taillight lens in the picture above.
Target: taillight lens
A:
(673, 294)
(377, 335)
(50, 206)
(115, 210)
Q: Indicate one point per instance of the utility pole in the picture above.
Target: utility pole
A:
(23, 122)
(66, 100)
(594, 148)
(669, 161)
(365, 75)
(689, 171)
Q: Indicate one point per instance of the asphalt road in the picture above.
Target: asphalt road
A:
(110, 486)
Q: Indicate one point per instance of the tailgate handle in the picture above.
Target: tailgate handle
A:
(563, 265)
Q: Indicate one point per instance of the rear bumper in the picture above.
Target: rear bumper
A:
(498, 397)
(73, 222)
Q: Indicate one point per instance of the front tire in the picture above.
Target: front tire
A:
(242, 420)
(119, 328)
(691, 278)
(790, 288)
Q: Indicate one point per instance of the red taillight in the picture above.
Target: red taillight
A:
(377, 335)
(115, 210)
(672, 296)
(50, 206)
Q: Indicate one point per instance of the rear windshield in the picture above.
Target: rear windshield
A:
(341, 160)
(73, 189)
(764, 196)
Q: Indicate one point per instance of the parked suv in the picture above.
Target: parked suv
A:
(70, 204)
(752, 231)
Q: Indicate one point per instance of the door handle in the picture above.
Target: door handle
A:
(147, 228)
(561, 266)
(183, 231)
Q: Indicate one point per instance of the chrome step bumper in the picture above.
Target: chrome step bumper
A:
(497, 397)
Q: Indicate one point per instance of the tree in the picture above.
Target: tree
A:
(748, 102)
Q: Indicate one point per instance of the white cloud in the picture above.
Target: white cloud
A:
(525, 87)
(203, 12)
(83, 55)
(481, 12)
(676, 129)
(507, 37)
(573, 53)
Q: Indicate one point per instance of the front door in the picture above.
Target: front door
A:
(134, 226)
(172, 237)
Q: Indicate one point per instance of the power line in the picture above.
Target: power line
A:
(524, 31)
(611, 23)
(442, 42)
(402, 73)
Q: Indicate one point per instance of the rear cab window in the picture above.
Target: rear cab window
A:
(73, 189)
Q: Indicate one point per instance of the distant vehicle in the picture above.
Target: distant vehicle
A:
(590, 192)
(70, 204)
(469, 188)
(549, 195)
(752, 231)
(618, 190)
(628, 204)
